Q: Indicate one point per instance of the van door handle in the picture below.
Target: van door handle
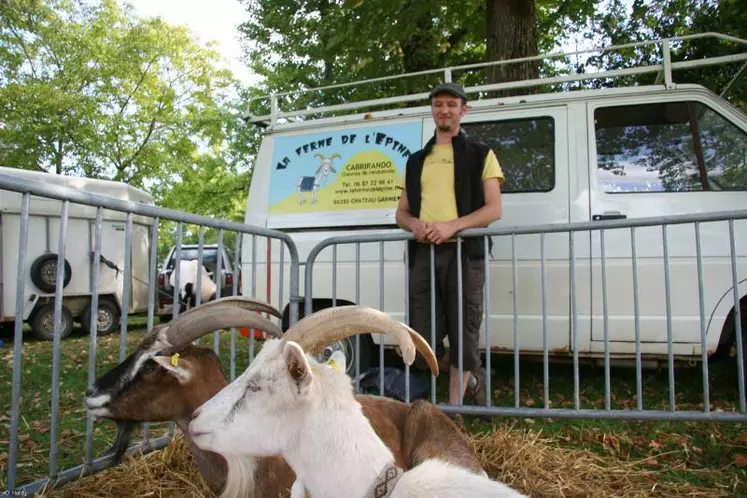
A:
(609, 216)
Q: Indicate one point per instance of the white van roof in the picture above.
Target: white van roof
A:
(387, 107)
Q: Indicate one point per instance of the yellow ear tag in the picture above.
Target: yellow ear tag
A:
(175, 359)
(333, 365)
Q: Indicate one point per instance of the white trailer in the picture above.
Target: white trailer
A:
(78, 285)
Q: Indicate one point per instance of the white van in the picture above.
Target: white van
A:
(42, 256)
(576, 156)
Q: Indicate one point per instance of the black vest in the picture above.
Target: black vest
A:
(469, 162)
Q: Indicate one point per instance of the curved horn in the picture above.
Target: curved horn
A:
(316, 331)
(319, 155)
(335, 155)
(192, 326)
(425, 349)
(242, 302)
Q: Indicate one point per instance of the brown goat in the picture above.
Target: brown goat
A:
(147, 388)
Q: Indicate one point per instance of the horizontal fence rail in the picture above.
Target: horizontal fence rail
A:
(548, 274)
(141, 290)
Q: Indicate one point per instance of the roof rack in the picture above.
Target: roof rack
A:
(664, 70)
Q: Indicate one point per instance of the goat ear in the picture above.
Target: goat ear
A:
(297, 365)
(178, 367)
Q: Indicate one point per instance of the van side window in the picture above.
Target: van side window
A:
(525, 149)
(668, 147)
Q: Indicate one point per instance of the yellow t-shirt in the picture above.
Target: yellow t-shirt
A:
(438, 201)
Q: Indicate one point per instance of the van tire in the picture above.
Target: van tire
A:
(42, 322)
(43, 272)
(727, 349)
(108, 318)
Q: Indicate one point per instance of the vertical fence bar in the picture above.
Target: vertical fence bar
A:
(668, 298)
(334, 278)
(637, 322)
(488, 338)
(53, 431)
(545, 352)
(176, 271)
(432, 270)
(515, 304)
(357, 301)
(254, 289)
(15, 389)
(235, 292)
(381, 307)
(605, 318)
(281, 276)
(151, 298)
(737, 316)
(126, 285)
(460, 323)
(574, 322)
(93, 329)
(200, 261)
(407, 316)
(701, 300)
(218, 284)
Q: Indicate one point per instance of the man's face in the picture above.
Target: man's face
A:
(447, 111)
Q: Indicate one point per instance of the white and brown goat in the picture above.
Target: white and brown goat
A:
(286, 403)
(148, 387)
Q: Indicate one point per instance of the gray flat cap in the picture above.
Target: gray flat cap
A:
(453, 88)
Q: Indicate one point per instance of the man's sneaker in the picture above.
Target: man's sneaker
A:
(475, 391)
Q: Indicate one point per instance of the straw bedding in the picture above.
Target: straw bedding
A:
(522, 458)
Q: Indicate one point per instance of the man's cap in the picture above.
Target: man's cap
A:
(453, 88)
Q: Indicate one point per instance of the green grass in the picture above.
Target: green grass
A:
(701, 453)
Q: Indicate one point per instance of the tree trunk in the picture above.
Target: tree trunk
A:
(511, 33)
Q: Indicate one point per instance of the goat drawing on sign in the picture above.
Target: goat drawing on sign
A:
(311, 183)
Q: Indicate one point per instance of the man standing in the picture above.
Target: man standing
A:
(452, 184)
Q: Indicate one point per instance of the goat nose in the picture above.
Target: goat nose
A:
(195, 414)
(90, 391)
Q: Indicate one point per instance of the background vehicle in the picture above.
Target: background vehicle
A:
(42, 256)
(190, 252)
(657, 149)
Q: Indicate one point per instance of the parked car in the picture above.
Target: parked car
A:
(190, 252)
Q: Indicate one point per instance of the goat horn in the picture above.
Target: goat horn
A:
(192, 326)
(316, 331)
(242, 302)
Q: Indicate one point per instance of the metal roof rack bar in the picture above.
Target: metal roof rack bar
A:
(664, 69)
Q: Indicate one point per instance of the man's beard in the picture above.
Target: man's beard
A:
(444, 127)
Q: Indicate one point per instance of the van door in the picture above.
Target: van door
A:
(532, 148)
(659, 155)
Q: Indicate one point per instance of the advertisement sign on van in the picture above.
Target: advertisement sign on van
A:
(352, 169)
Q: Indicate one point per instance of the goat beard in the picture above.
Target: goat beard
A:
(125, 429)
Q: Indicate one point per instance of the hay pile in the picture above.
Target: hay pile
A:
(521, 458)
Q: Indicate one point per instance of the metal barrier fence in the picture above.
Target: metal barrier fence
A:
(563, 296)
(551, 295)
(133, 210)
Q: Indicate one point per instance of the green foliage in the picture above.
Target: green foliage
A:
(89, 89)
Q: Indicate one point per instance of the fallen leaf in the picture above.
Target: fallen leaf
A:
(651, 462)
(529, 402)
(740, 460)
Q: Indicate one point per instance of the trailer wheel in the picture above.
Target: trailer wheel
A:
(42, 322)
(107, 321)
(44, 272)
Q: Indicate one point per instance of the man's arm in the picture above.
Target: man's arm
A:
(439, 232)
(408, 222)
(487, 214)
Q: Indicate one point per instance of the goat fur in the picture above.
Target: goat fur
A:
(173, 393)
(288, 404)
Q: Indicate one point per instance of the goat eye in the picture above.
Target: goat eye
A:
(254, 387)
